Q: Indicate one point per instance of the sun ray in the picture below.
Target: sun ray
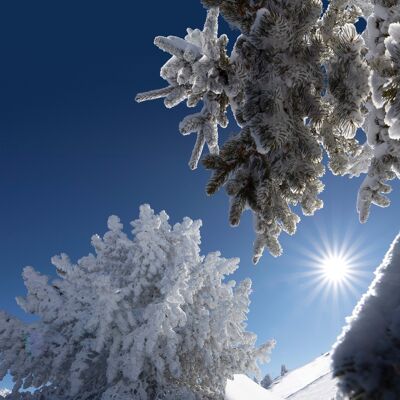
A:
(333, 265)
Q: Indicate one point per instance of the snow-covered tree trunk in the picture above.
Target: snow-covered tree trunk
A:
(366, 358)
(144, 318)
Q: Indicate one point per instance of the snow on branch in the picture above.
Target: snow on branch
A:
(299, 84)
(197, 71)
(383, 126)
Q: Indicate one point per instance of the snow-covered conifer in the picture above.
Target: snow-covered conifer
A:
(266, 382)
(143, 318)
(297, 84)
(284, 370)
(366, 358)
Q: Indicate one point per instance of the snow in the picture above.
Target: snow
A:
(243, 388)
(302, 378)
(192, 74)
(323, 388)
(4, 392)
(366, 355)
(313, 381)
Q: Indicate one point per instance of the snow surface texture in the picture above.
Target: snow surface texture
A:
(314, 381)
(4, 392)
(146, 318)
(298, 84)
(367, 355)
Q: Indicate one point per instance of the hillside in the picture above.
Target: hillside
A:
(310, 382)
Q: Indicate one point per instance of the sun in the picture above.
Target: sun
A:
(334, 265)
(335, 268)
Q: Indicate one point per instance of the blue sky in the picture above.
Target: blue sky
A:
(75, 148)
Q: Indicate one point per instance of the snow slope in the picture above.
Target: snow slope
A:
(312, 382)
(243, 388)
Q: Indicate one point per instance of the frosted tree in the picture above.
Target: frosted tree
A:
(297, 84)
(366, 358)
(284, 370)
(266, 382)
(143, 318)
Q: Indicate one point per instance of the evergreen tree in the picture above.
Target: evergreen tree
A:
(144, 318)
(284, 370)
(366, 358)
(266, 382)
(297, 84)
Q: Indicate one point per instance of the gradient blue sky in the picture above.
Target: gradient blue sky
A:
(75, 148)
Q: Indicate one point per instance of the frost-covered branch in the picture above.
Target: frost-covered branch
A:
(198, 70)
(383, 126)
(298, 84)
